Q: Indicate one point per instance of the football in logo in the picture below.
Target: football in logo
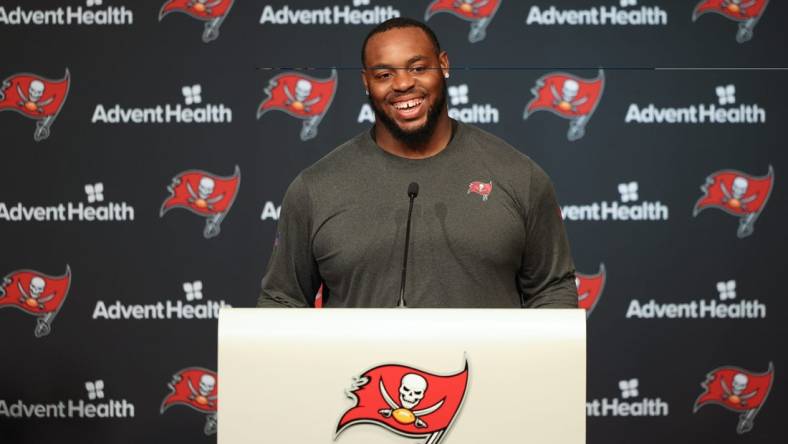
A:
(36, 294)
(410, 402)
(204, 194)
(479, 12)
(567, 96)
(737, 390)
(195, 387)
(737, 194)
(589, 289)
(746, 12)
(302, 97)
(35, 97)
(212, 12)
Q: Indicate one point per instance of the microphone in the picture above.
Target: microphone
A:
(413, 191)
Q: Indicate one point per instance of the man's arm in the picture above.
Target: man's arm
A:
(291, 278)
(547, 274)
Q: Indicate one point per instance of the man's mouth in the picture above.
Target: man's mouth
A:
(408, 108)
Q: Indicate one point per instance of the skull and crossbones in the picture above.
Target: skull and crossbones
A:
(202, 395)
(411, 392)
(32, 101)
(735, 197)
(203, 5)
(303, 89)
(565, 101)
(32, 297)
(201, 199)
(738, 385)
(737, 6)
(470, 6)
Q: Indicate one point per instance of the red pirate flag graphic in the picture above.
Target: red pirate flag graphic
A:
(35, 97)
(738, 194)
(737, 390)
(568, 96)
(213, 12)
(37, 294)
(197, 388)
(301, 96)
(204, 194)
(406, 401)
(481, 188)
(589, 288)
(745, 12)
(478, 12)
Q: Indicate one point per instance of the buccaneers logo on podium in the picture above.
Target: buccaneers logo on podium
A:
(204, 194)
(569, 97)
(194, 387)
(737, 390)
(301, 96)
(406, 401)
(35, 97)
(589, 289)
(738, 194)
(745, 12)
(479, 12)
(37, 294)
(212, 12)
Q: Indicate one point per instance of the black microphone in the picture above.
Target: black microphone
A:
(413, 191)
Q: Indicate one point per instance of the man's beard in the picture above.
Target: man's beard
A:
(417, 138)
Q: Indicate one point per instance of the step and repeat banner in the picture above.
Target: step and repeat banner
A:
(147, 145)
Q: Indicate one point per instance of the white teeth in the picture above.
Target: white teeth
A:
(408, 104)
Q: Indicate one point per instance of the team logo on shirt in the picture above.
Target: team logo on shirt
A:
(302, 97)
(483, 189)
(212, 12)
(737, 390)
(35, 97)
(589, 289)
(204, 194)
(36, 294)
(195, 387)
(479, 12)
(567, 96)
(746, 12)
(737, 194)
(409, 402)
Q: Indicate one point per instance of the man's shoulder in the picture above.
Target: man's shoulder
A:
(496, 149)
(343, 157)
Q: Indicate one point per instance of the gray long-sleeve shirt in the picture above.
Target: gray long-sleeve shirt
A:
(486, 230)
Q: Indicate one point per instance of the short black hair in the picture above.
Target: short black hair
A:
(399, 22)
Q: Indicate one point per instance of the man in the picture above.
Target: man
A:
(486, 229)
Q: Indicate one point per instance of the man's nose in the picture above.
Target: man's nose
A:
(403, 80)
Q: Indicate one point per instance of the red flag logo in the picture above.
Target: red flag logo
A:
(37, 294)
(589, 288)
(479, 12)
(197, 388)
(737, 390)
(300, 96)
(746, 12)
(481, 188)
(35, 97)
(213, 12)
(204, 194)
(407, 401)
(568, 96)
(738, 194)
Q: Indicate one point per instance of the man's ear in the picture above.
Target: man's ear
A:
(364, 80)
(443, 59)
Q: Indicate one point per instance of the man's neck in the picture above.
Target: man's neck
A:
(437, 142)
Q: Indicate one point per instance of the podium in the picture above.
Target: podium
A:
(353, 376)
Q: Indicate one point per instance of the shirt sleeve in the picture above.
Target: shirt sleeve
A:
(547, 275)
(292, 278)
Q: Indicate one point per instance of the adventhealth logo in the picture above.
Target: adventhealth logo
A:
(627, 403)
(193, 308)
(724, 111)
(625, 14)
(68, 15)
(361, 13)
(96, 406)
(628, 209)
(95, 210)
(167, 113)
(461, 110)
(727, 307)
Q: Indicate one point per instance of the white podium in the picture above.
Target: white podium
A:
(362, 376)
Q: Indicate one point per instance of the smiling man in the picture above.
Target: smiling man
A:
(486, 228)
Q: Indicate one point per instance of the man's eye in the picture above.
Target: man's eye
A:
(418, 69)
(383, 75)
